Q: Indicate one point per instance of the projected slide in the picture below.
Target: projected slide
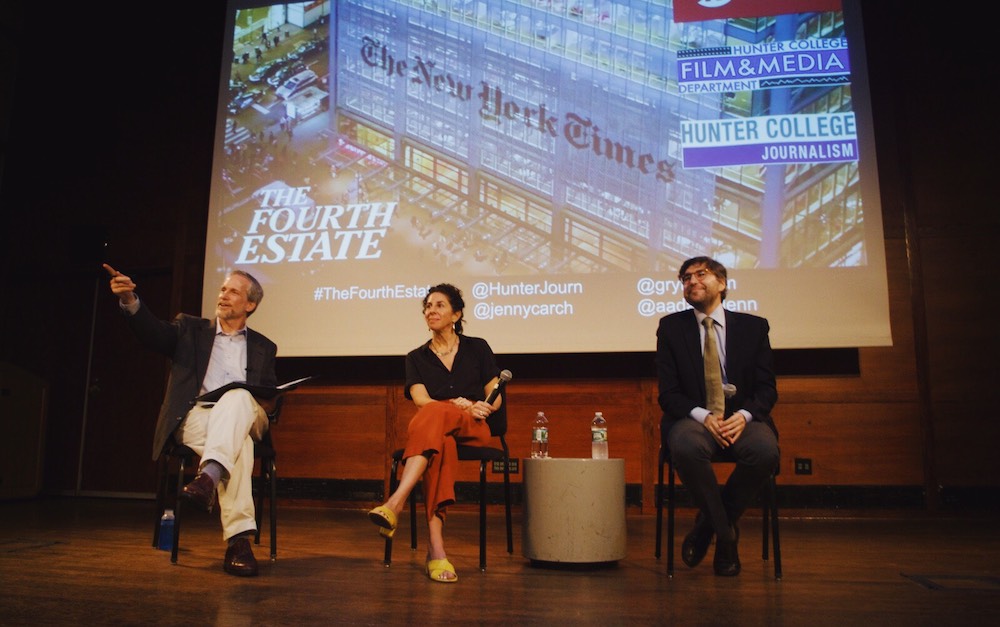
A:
(555, 160)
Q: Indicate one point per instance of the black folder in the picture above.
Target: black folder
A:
(261, 392)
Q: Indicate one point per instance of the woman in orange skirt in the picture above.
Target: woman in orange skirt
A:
(448, 378)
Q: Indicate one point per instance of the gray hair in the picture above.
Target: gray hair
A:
(256, 292)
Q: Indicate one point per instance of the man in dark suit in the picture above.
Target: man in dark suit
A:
(206, 355)
(701, 421)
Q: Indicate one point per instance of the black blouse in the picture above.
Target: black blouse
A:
(474, 366)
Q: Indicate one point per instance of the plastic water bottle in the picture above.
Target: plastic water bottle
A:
(166, 539)
(540, 437)
(599, 437)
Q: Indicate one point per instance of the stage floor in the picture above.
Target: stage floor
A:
(90, 561)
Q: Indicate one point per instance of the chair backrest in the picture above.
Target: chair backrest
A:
(497, 421)
(275, 413)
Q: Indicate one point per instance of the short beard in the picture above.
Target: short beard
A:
(225, 314)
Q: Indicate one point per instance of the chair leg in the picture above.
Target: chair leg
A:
(163, 480)
(670, 523)
(773, 489)
(393, 481)
(258, 499)
(177, 511)
(765, 517)
(413, 519)
(659, 509)
(482, 515)
(506, 499)
(272, 506)
(267, 481)
(393, 485)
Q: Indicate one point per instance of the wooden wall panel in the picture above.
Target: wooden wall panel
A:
(962, 359)
(570, 406)
(851, 443)
(964, 452)
(345, 433)
(333, 432)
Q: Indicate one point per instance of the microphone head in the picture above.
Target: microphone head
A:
(505, 376)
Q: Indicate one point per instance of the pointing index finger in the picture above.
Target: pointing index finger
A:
(111, 270)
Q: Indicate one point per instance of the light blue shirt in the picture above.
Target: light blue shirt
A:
(228, 362)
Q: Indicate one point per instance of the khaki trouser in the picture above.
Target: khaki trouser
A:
(225, 433)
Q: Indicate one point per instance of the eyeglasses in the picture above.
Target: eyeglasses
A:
(697, 274)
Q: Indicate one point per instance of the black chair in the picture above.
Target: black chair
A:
(769, 507)
(485, 455)
(176, 458)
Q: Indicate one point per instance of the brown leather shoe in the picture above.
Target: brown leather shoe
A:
(201, 492)
(240, 560)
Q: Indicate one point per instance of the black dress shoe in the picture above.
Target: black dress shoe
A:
(201, 492)
(727, 559)
(240, 560)
(696, 543)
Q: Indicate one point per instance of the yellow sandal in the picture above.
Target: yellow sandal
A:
(436, 568)
(385, 518)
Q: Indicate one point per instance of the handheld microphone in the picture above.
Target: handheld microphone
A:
(505, 376)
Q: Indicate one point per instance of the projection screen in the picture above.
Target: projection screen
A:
(557, 161)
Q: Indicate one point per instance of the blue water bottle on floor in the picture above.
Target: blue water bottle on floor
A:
(166, 539)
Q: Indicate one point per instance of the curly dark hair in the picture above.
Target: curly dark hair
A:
(454, 296)
(712, 266)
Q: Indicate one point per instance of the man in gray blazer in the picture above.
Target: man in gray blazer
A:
(740, 429)
(206, 355)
